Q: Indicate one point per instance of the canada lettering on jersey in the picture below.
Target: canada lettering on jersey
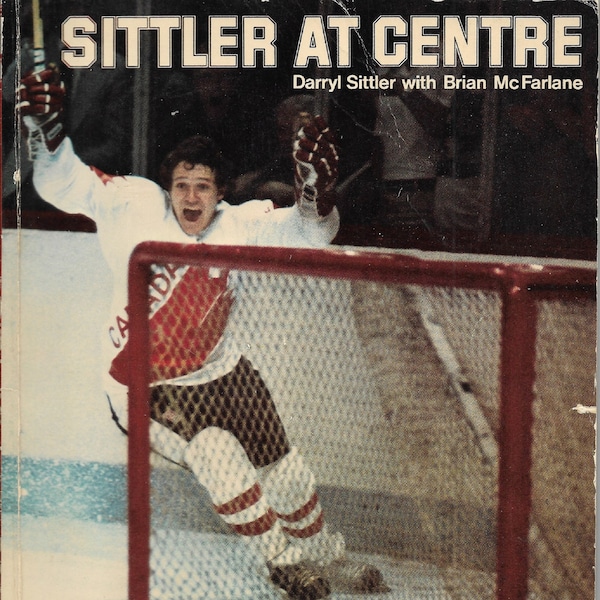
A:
(189, 308)
(164, 280)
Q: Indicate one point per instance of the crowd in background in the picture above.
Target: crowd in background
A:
(434, 164)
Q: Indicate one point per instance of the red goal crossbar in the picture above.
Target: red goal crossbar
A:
(520, 286)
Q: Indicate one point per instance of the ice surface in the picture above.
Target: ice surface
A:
(59, 558)
(65, 559)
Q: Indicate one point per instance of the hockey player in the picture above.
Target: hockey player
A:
(211, 410)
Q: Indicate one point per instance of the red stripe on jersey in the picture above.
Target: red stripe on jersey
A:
(309, 531)
(301, 512)
(104, 177)
(245, 500)
(187, 325)
(257, 527)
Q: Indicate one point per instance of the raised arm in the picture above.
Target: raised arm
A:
(60, 176)
(41, 107)
(314, 220)
(316, 167)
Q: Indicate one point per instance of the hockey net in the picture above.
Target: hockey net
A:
(434, 401)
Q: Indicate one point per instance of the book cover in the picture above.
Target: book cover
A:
(456, 135)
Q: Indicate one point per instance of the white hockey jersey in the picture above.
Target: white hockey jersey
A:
(128, 210)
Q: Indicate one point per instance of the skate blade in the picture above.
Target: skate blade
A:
(350, 577)
(300, 581)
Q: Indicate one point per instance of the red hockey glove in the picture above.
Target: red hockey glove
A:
(316, 165)
(41, 104)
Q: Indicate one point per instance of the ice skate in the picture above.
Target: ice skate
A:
(353, 577)
(300, 581)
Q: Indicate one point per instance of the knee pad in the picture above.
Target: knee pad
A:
(220, 464)
(290, 484)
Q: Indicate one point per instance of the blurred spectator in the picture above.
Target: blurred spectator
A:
(546, 169)
(222, 104)
(275, 181)
(412, 126)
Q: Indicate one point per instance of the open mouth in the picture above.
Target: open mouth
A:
(191, 214)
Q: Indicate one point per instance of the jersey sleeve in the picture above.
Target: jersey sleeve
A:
(65, 181)
(295, 226)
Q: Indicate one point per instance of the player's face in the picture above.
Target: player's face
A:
(194, 197)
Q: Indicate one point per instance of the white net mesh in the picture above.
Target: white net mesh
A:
(385, 391)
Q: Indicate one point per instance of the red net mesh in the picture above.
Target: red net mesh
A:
(391, 392)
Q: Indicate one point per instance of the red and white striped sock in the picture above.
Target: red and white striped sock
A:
(291, 491)
(221, 465)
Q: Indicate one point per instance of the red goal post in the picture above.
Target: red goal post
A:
(519, 287)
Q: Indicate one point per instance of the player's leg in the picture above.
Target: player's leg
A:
(221, 465)
(290, 489)
(289, 486)
(232, 429)
(292, 495)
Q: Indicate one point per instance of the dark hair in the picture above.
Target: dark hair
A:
(195, 150)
